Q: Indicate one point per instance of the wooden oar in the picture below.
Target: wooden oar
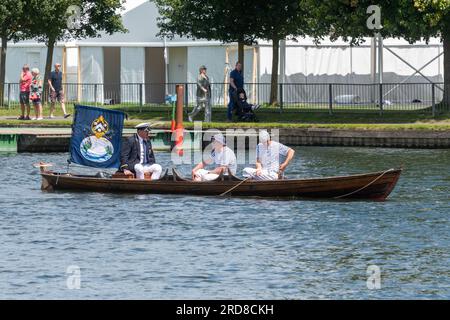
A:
(222, 194)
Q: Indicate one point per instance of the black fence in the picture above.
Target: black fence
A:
(326, 97)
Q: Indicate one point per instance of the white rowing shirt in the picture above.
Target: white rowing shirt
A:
(225, 157)
(269, 155)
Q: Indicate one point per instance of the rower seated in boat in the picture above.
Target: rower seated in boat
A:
(222, 156)
(137, 156)
(268, 154)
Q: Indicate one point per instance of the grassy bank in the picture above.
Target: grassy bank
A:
(268, 118)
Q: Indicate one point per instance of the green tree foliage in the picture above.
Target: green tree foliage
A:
(13, 18)
(50, 22)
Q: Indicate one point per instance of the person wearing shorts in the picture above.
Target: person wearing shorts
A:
(24, 96)
(56, 91)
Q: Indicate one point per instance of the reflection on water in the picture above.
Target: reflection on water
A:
(166, 246)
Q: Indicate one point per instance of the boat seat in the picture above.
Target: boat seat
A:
(122, 175)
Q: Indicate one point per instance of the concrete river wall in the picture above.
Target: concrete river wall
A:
(59, 142)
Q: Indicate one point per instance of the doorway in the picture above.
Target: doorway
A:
(154, 75)
(111, 82)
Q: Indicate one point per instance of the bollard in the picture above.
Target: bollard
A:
(179, 120)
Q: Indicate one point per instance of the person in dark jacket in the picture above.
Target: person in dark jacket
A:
(137, 155)
(236, 83)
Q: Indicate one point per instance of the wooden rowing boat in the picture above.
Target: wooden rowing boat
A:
(374, 186)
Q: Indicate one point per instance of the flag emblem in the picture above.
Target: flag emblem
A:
(97, 148)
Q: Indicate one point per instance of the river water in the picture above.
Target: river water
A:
(182, 247)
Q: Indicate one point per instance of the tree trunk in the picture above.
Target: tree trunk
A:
(241, 54)
(3, 69)
(274, 76)
(446, 100)
(48, 69)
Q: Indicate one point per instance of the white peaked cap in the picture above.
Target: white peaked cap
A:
(141, 126)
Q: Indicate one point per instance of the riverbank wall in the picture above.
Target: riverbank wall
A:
(42, 141)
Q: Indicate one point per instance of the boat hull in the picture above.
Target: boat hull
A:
(375, 186)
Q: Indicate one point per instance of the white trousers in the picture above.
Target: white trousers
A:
(204, 175)
(265, 174)
(141, 169)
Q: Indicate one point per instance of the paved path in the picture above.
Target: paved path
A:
(31, 121)
(31, 130)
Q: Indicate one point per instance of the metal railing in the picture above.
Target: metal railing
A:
(326, 97)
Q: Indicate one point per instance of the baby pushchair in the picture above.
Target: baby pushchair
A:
(244, 110)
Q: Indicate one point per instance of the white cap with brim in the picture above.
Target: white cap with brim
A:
(143, 126)
(264, 136)
(219, 138)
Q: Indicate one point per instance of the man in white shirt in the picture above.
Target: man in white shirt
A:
(137, 155)
(268, 154)
(222, 156)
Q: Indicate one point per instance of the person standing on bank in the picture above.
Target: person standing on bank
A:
(268, 154)
(36, 93)
(24, 97)
(56, 91)
(203, 96)
(137, 155)
(236, 83)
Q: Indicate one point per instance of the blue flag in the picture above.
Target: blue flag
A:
(96, 137)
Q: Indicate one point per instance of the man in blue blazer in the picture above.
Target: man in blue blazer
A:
(137, 156)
